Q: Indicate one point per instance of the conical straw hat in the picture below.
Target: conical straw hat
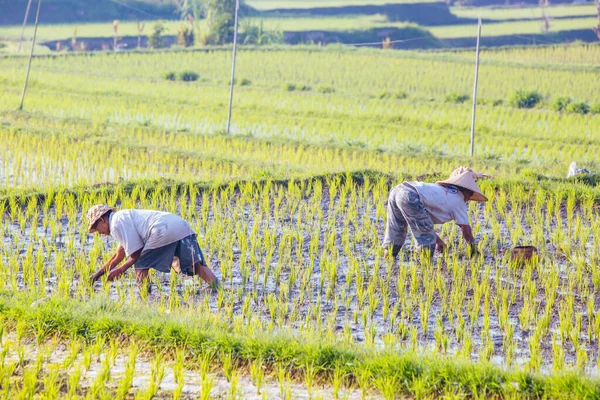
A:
(465, 180)
(95, 213)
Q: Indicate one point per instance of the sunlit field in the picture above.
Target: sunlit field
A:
(290, 211)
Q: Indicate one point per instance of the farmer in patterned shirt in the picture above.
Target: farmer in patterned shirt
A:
(149, 239)
(420, 206)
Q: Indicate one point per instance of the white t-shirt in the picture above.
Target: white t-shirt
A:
(146, 229)
(443, 203)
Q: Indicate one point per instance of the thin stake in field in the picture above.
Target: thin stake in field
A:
(24, 24)
(235, 32)
(475, 88)
(37, 18)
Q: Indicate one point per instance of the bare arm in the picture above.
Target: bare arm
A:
(467, 233)
(117, 272)
(112, 263)
(439, 243)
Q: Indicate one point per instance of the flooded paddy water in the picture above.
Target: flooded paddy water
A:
(306, 256)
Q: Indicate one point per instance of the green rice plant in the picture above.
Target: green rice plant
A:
(578, 107)
(228, 366)
(73, 383)
(290, 87)
(325, 89)
(304, 252)
(338, 380)
(188, 76)
(170, 76)
(257, 375)
(283, 380)
(52, 383)
(99, 385)
(30, 379)
(233, 382)
(388, 385)
(561, 103)
(400, 95)
(456, 98)
(207, 384)
(127, 380)
(156, 376)
(522, 98)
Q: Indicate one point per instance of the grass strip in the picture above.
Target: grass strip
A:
(391, 371)
(582, 187)
(127, 187)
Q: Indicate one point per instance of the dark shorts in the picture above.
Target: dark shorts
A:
(187, 250)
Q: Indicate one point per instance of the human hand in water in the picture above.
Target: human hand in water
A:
(440, 246)
(114, 274)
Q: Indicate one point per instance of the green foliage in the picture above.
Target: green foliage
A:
(291, 87)
(245, 82)
(314, 162)
(561, 103)
(155, 39)
(393, 373)
(579, 107)
(185, 76)
(523, 98)
(256, 34)
(325, 89)
(185, 35)
(595, 108)
(170, 76)
(456, 98)
(188, 76)
(220, 20)
(400, 95)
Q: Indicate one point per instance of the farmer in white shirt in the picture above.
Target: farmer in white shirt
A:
(149, 239)
(420, 206)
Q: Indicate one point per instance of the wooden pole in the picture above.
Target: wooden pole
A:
(235, 33)
(475, 88)
(37, 19)
(24, 24)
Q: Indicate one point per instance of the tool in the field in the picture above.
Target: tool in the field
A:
(149, 239)
(419, 206)
(575, 171)
(524, 254)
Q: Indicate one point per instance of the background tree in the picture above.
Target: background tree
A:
(186, 34)
(217, 18)
(155, 39)
(256, 34)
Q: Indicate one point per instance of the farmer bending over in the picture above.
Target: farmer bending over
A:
(421, 205)
(150, 239)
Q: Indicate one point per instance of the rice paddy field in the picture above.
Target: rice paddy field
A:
(290, 212)
(499, 24)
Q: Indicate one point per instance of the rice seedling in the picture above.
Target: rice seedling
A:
(290, 211)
